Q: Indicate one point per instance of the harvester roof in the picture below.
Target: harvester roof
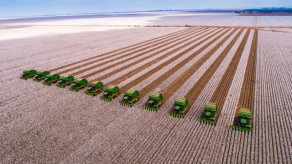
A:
(210, 106)
(181, 101)
(156, 96)
(132, 92)
(243, 112)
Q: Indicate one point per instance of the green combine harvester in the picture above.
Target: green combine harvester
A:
(210, 114)
(78, 84)
(243, 121)
(94, 88)
(28, 74)
(110, 93)
(179, 108)
(130, 97)
(41, 76)
(51, 79)
(65, 81)
(154, 101)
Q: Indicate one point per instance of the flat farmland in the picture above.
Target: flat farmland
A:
(232, 66)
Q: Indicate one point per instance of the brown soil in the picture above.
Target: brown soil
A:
(177, 83)
(146, 65)
(176, 38)
(246, 99)
(131, 46)
(136, 48)
(166, 75)
(222, 89)
(198, 87)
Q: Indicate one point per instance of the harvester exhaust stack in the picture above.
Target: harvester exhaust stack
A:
(130, 97)
(110, 93)
(179, 108)
(28, 74)
(78, 84)
(154, 101)
(94, 88)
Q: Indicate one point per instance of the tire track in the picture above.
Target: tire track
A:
(198, 87)
(166, 75)
(133, 57)
(204, 78)
(246, 99)
(161, 136)
(125, 49)
(223, 87)
(156, 69)
(177, 83)
(146, 65)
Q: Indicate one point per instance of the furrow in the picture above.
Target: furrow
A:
(177, 83)
(115, 57)
(163, 77)
(132, 73)
(146, 65)
(123, 50)
(143, 54)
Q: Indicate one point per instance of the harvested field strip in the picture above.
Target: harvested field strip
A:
(156, 69)
(246, 99)
(144, 66)
(132, 47)
(177, 83)
(132, 73)
(166, 75)
(131, 58)
(198, 87)
(222, 89)
(117, 57)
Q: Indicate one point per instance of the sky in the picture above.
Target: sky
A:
(12, 8)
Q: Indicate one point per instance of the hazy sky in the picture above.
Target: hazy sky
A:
(47, 7)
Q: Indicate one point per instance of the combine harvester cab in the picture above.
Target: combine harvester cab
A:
(179, 108)
(130, 97)
(110, 93)
(41, 76)
(51, 79)
(243, 121)
(210, 114)
(154, 101)
(94, 88)
(78, 84)
(65, 81)
(28, 74)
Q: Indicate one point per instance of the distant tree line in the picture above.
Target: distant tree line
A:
(266, 10)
